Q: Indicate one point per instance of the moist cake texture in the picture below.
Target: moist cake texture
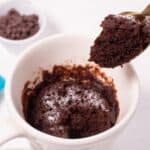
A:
(122, 38)
(71, 102)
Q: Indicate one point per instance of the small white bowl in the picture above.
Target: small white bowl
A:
(24, 7)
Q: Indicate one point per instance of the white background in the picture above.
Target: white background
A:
(84, 16)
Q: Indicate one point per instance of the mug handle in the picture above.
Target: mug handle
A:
(9, 130)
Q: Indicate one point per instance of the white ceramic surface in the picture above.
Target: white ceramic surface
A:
(56, 50)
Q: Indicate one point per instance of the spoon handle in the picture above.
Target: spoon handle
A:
(127, 13)
(146, 11)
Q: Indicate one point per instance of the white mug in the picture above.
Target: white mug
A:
(60, 49)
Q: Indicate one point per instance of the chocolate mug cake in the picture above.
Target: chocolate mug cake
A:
(71, 102)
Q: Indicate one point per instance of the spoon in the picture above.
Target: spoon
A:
(122, 38)
(138, 15)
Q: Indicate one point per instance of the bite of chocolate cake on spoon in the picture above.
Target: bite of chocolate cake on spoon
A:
(124, 36)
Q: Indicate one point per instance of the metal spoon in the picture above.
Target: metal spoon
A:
(138, 15)
(108, 54)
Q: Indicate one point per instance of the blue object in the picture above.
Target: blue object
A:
(2, 83)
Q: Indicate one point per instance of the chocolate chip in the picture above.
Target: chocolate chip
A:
(15, 26)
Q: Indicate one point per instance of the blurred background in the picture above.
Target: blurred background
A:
(84, 16)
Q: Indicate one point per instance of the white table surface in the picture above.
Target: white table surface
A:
(84, 16)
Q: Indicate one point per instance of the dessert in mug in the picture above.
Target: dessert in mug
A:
(71, 101)
(76, 101)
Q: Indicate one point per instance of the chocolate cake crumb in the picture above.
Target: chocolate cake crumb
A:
(122, 39)
(71, 102)
(15, 26)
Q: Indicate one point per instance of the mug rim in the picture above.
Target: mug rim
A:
(58, 140)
